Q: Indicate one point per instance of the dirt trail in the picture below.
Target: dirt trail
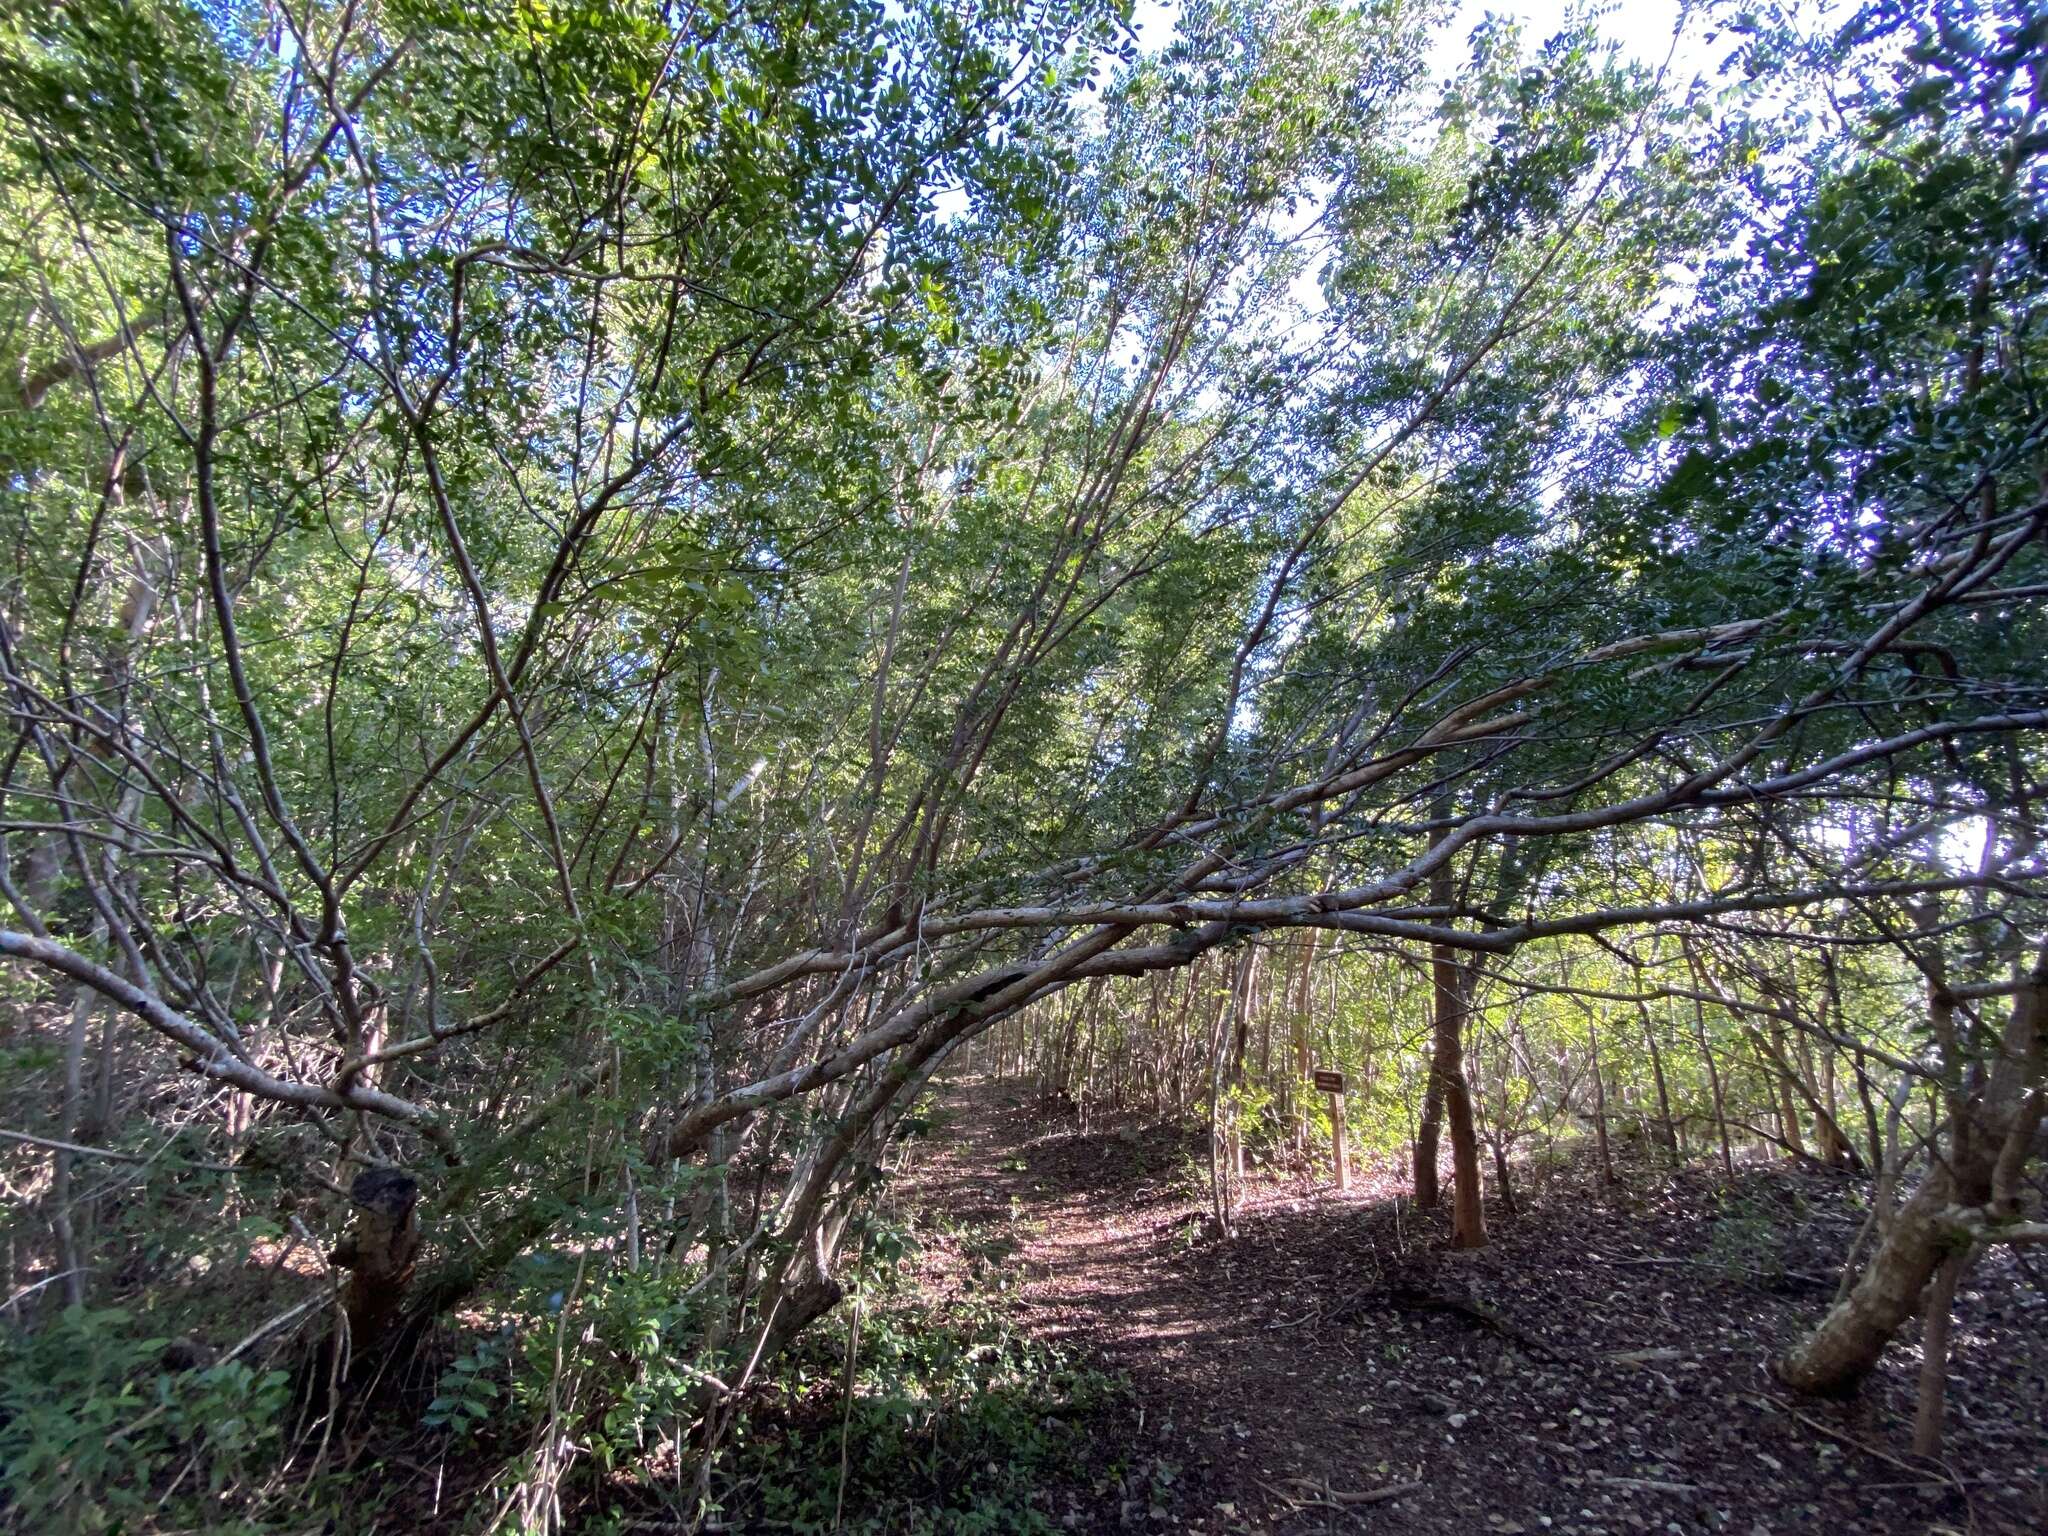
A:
(1598, 1369)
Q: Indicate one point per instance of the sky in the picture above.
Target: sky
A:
(1642, 27)
(1644, 30)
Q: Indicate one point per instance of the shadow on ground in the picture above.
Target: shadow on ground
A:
(1599, 1368)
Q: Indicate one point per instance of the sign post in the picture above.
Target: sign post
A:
(1332, 1083)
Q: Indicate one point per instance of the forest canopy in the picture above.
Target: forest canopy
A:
(595, 593)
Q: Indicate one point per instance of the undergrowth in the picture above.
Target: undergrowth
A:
(956, 1423)
(96, 1434)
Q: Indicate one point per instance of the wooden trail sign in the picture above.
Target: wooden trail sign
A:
(1332, 1083)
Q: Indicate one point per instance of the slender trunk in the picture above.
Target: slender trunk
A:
(1266, 1038)
(1500, 1174)
(1869, 1112)
(1830, 1145)
(1781, 1075)
(1340, 1143)
(1219, 1197)
(1468, 1216)
(1442, 967)
(1219, 1168)
(1299, 1018)
(1941, 1300)
(1452, 985)
(1667, 1129)
(1301, 1052)
(104, 1077)
(1428, 1128)
(70, 1259)
(1833, 1145)
(137, 608)
(1839, 1150)
(1600, 1105)
(1247, 990)
(1699, 1014)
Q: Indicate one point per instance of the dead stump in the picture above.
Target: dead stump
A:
(380, 1253)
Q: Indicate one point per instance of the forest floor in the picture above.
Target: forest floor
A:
(1599, 1367)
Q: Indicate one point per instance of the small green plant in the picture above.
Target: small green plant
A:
(954, 1425)
(95, 1433)
(467, 1394)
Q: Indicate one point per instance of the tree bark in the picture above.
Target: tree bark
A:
(1781, 1073)
(1468, 1215)
(1428, 1129)
(1429, 1126)
(1600, 1105)
(1986, 1151)
(1298, 1016)
(1941, 1300)
(1714, 1085)
(1500, 1175)
(1667, 1126)
(380, 1253)
(1452, 984)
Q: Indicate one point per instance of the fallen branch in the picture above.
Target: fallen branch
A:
(1843, 1436)
(1410, 1298)
(1649, 1484)
(1327, 1497)
(1644, 1356)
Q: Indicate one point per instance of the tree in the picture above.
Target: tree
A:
(595, 597)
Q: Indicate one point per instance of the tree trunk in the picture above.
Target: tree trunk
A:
(1452, 985)
(1833, 1144)
(1699, 1014)
(70, 1257)
(1818, 1087)
(380, 1254)
(1468, 1216)
(1600, 1106)
(1500, 1175)
(1983, 1165)
(1788, 1111)
(1299, 1017)
(1845, 1347)
(1427, 1130)
(1941, 1300)
(1442, 967)
(1870, 1130)
(1667, 1128)
(1220, 1149)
